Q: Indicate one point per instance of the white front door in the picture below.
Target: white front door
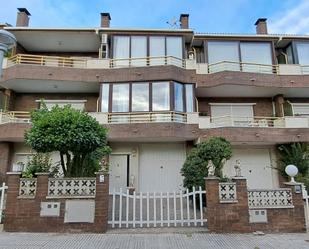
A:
(118, 166)
(160, 165)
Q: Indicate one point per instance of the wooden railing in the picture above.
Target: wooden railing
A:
(148, 117)
(52, 61)
(14, 117)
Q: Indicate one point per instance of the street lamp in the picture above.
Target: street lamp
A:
(7, 41)
(291, 170)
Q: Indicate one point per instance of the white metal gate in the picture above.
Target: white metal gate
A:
(182, 208)
(2, 199)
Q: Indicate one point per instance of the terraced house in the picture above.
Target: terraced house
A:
(159, 92)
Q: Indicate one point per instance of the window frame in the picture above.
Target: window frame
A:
(150, 102)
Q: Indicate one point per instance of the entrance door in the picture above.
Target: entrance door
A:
(118, 171)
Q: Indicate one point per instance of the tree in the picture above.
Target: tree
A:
(73, 133)
(195, 168)
(216, 149)
(298, 155)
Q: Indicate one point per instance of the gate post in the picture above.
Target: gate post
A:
(101, 202)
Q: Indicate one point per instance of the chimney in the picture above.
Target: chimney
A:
(22, 17)
(105, 20)
(261, 26)
(184, 21)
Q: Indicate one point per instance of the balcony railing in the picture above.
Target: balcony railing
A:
(149, 117)
(73, 62)
(14, 117)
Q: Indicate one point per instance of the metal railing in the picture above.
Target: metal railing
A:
(148, 117)
(147, 61)
(245, 121)
(242, 67)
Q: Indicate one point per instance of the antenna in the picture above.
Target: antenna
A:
(174, 23)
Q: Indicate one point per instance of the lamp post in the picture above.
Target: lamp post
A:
(291, 170)
(7, 41)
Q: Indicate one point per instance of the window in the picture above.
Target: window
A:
(105, 98)
(140, 97)
(120, 100)
(174, 46)
(161, 96)
(224, 114)
(189, 98)
(157, 49)
(300, 109)
(121, 50)
(223, 51)
(138, 50)
(303, 53)
(256, 52)
(178, 92)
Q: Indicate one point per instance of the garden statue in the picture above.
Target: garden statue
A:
(211, 168)
(237, 168)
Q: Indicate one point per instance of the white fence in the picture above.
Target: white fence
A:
(2, 200)
(157, 209)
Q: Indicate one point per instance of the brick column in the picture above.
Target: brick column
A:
(101, 202)
(11, 207)
(279, 100)
(4, 160)
(227, 217)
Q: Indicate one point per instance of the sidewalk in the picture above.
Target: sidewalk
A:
(153, 241)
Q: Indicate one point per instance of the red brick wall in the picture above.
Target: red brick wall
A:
(27, 101)
(23, 215)
(263, 107)
(4, 159)
(234, 217)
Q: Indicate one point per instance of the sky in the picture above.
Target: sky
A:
(211, 16)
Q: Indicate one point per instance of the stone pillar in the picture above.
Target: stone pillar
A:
(4, 160)
(279, 100)
(101, 202)
(42, 186)
(229, 216)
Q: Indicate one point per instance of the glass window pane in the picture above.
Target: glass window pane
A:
(256, 52)
(140, 97)
(189, 98)
(223, 51)
(157, 49)
(105, 97)
(303, 53)
(120, 98)
(174, 47)
(138, 50)
(161, 96)
(121, 50)
(178, 97)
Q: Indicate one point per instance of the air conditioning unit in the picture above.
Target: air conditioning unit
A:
(104, 38)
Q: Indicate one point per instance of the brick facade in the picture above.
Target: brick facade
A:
(5, 155)
(234, 217)
(23, 215)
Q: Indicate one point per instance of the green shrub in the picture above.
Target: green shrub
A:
(39, 162)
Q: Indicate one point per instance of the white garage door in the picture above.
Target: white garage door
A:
(255, 166)
(159, 167)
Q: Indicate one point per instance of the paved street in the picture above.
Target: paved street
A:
(153, 241)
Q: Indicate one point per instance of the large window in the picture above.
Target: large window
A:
(140, 47)
(256, 52)
(120, 99)
(138, 50)
(161, 96)
(147, 97)
(303, 53)
(223, 51)
(179, 97)
(140, 97)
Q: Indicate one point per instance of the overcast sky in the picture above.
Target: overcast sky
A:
(215, 16)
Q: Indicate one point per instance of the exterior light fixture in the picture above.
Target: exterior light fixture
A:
(291, 170)
(7, 41)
